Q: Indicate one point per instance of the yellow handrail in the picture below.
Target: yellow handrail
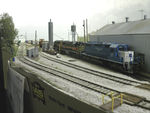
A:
(113, 98)
(112, 105)
(110, 93)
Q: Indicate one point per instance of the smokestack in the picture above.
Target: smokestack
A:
(35, 38)
(113, 22)
(145, 17)
(127, 18)
(50, 34)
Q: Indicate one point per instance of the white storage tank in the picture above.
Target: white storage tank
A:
(32, 52)
(45, 46)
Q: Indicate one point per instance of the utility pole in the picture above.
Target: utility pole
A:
(87, 30)
(84, 29)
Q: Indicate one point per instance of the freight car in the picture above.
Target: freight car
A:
(41, 42)
(68, 47)
(109, 54)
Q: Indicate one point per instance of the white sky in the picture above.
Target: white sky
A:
(31, 15)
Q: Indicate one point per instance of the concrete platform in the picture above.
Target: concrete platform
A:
(43, 97)
(108, 106)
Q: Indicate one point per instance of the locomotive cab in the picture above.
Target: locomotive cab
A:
(125, 57)
(127, 60)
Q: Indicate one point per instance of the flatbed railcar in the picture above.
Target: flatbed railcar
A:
(110, 54)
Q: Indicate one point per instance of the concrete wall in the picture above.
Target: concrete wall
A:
(42, 97)
(139, 43)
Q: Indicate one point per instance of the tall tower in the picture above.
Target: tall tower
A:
(50, 34)
(35, 38)
(73, 30)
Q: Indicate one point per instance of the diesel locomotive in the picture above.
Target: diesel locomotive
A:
(110, 54)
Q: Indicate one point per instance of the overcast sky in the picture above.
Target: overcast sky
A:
(31, 15)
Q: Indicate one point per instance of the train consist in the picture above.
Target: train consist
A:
(68, 47)
(110, 54)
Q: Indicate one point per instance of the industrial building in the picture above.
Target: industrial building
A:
(134, 33)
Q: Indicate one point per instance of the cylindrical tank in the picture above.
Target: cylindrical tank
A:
(73, 28)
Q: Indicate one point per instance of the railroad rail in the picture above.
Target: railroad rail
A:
(87, 84)
(68, 77)
(94, 72)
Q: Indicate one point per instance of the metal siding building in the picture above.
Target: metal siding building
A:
(136, 34)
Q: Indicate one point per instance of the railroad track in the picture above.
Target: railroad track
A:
(84, 83)
(94, 72)
(144, 104)
(68, 77)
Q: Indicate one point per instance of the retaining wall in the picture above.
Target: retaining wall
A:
(42, 97)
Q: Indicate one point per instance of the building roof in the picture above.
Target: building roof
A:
(130, 27)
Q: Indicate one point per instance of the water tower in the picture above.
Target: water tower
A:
(73, 30)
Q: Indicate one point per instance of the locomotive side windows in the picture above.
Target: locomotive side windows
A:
(107, 46)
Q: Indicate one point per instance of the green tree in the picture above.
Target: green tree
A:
(81, 39)
(8, 32)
